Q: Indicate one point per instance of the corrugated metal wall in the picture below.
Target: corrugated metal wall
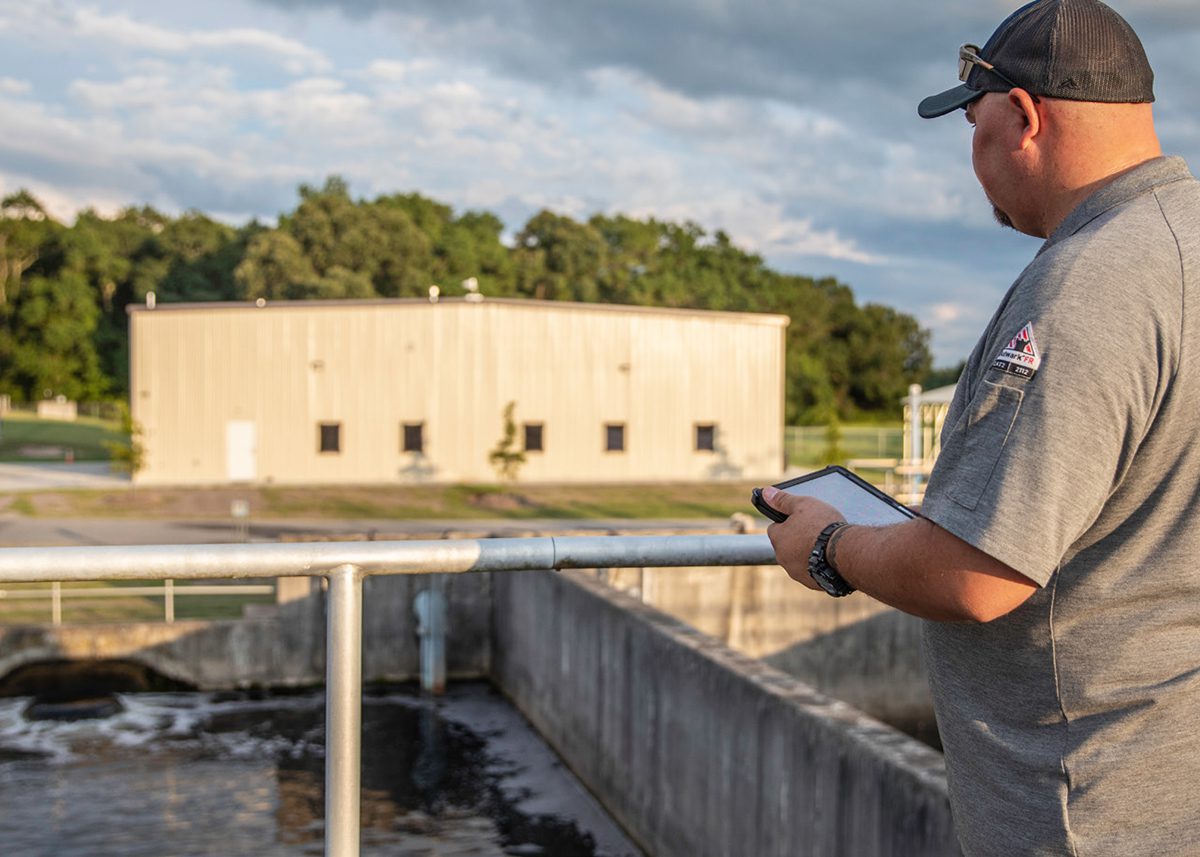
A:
(453, 366)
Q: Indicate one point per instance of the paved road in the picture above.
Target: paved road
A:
(18, 531)
(44, 476)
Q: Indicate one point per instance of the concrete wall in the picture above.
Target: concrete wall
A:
(853, 649)
(698, 750)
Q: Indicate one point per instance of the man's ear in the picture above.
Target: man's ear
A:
(1022, 102)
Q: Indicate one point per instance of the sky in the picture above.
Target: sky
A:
(791, 125)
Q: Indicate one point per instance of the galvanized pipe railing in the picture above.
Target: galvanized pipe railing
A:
(345, 564)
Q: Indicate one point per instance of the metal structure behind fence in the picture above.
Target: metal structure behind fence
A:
(345, 564)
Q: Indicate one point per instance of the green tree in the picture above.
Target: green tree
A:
(560, 259)
(337, 283)
(54, 353)
(24, 229)
(460, 247)
(834, 452)
(634, 260)
(274, 267)
(379, 240)
(201, 256)
(470, 247)
(109, 254)
(129, 455)
(505, 457)
(886, 351)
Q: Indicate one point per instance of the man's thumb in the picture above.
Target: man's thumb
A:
(781, 500)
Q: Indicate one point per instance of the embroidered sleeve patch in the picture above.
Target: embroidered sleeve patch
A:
(1021, 356)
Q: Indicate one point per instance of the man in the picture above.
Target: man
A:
(1058, 555)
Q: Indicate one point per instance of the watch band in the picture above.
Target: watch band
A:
(820, 568)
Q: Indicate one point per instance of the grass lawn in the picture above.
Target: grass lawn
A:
(24, 437)
(398, 502)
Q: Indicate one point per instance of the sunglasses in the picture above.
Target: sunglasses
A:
(968, 58)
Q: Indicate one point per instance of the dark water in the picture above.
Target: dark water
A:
(205, 774)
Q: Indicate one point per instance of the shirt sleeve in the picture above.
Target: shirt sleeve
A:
(1043, 441)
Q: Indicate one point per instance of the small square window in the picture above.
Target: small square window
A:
(413, 437)
(533, 437)
(706, 437)
(614, 437)
(330, 439)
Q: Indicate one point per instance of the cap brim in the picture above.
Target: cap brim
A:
(948, 101)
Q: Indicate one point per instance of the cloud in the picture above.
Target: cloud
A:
(123, 30)
(800, 238)
(390, 71)
(98, 159)
(717, 47)
(863, 63)
(51, 22)
(791, 127)
(947, 312)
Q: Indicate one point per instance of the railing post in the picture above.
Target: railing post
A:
(343, 711)
(169, 600)
(56, 603)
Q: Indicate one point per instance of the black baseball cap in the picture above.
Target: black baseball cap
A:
(1079, 50)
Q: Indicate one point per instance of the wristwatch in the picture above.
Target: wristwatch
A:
(821, 567)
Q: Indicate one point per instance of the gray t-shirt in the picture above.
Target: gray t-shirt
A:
(1072, 725)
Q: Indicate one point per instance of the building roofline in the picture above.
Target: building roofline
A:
(773, 319)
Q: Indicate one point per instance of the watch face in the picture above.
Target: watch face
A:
(825, 583)
(826, 577)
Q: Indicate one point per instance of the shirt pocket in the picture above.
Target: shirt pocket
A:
(990, 418)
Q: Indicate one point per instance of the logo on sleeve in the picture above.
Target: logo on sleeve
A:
(1021, 356)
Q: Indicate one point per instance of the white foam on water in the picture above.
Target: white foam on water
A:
(17, 733)
(148, 720)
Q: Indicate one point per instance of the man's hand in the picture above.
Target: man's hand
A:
(793, 540)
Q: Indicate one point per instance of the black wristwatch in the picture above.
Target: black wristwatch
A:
(820, 567)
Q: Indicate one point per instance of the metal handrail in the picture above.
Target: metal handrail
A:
(345, 564)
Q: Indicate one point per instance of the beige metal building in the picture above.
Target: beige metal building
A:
(312, 392)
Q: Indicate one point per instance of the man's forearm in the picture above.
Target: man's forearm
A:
(924, 570)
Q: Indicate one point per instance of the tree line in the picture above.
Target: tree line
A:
(64, 289)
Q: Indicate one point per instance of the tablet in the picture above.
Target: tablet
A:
(859, 501)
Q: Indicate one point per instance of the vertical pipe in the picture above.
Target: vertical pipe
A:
(56, 603)
(169, 600)
(437, 651)
(916, 453)
(343, 711)
(430, 609)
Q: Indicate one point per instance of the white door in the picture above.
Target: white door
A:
(241, 451)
